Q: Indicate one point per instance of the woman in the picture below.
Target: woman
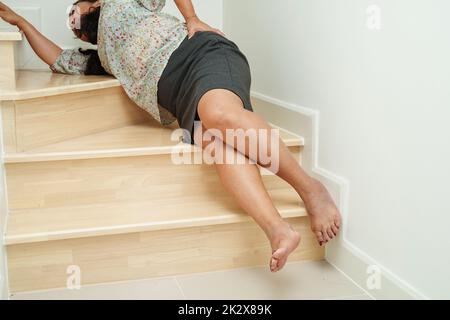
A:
(187, 72)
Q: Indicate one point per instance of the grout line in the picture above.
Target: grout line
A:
(351, 296)
(260, 266)
(180, 288)
(353, 281)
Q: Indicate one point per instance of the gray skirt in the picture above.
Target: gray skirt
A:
(206, 61)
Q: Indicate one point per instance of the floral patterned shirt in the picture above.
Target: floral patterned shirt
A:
(135, 42)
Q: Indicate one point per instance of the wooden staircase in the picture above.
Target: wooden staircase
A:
(90, 182)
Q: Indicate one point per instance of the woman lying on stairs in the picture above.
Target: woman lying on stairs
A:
(192, 73)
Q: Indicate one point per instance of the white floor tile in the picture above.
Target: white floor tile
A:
(158, 289)
(359, 297)
(304, 280)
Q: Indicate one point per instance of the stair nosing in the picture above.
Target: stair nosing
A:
(55, 91)
(231, 218)
(10, 35)
(27, 157)
(94, 154)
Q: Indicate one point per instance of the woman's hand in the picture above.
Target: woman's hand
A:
(43, 47)
(9, 15)
(194, 24)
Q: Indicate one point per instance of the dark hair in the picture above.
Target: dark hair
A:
(93, 65)
(89, 28)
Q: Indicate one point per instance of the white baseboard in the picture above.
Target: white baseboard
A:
(343, 254)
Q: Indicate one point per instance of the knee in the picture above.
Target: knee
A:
(217, 115)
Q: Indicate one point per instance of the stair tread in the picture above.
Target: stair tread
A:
(154, 213)
(135, 140)
(10, 35)
(36, 84)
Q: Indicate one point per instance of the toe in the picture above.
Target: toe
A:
(320, 237)
(273, 264)
(337, 223)
(325, 235)
(335, 230)
(277, 257)
(330, 233)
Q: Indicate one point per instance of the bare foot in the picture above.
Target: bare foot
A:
(324, 215)
(283, 240)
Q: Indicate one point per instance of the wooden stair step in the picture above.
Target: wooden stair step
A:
(158, 211)
(34, 123)
(38, 84)
(147, 138)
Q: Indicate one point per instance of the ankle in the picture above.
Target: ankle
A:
(309, 188)
(277, 229)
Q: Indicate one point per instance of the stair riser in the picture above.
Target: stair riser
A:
(149, 254)
(7, 65)
(96, 181)
(38, 122)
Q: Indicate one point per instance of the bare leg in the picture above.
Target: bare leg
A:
(244, 182)
(222, 109)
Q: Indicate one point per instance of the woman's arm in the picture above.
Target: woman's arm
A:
(43, 47)
(193, 23)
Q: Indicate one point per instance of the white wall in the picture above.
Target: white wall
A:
(384, 104)
(49, 16)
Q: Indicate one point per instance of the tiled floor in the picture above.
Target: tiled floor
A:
(303, 280)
